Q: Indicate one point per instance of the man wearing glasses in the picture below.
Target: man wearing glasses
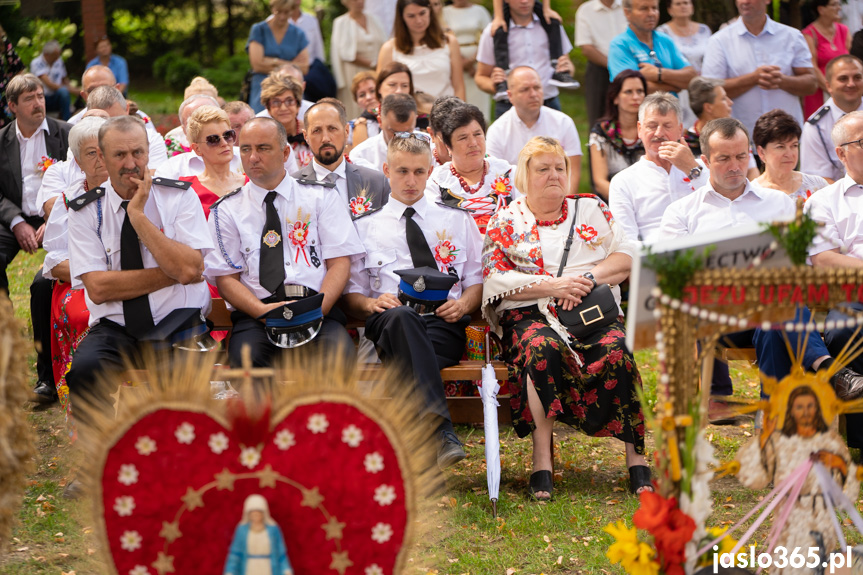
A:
(408, 235)
(278, 240)
(398, 114)
(642, 48)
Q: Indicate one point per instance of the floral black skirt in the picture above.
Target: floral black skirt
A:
(598, 398)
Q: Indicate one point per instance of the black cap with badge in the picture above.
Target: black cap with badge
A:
(425, 289)
(296, 323)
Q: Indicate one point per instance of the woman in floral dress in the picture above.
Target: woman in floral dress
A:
(588, 382)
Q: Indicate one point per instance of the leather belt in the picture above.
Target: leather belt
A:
(423, 308)
(292, 292)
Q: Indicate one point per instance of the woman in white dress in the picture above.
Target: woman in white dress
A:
(777, 140)
(356, 40)
(470, 180)
(467, 20)
(419, 42)
(691, 39)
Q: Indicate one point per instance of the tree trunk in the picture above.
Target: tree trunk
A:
(209, 33)
(229, 4)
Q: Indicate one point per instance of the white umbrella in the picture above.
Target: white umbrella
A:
(488, 391)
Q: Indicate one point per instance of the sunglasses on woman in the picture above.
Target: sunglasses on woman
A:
(230, 137)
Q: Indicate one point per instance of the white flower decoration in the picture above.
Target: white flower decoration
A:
(218, 443)
(374, 569)
(140, 570)
(385, 495)
(145, 445)
(250, 457)
(185, 433)
(128, 474)
(382, 532)
(285, 440)
(352, 435)
(130, 540)
(318, 423)
(124, 505)
(374, 462)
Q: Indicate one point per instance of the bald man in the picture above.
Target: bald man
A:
(95, 77)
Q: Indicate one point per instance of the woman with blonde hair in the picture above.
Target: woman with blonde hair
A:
(281, 95)
(543, 255)
(355, 42)
(273, 43)
(420, 43)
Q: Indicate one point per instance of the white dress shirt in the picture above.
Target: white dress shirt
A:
(528, 46)
(839, 207)
(241, 219)
(32, 152)
(448, 231)
(707, 210)
(817, 152)
(596, 24)
(59, 178)
(370, 153)
(341, 178)
(639, 195)
(508, 135)
(734, 52)
(148, 122)
(94, 245)
(56, 239)
(191, 164)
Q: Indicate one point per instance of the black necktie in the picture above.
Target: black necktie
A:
(421, 254)
(272, 264)
(136, 311)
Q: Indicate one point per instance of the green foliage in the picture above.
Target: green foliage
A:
(228, 76)
(795, 237)
(63, 31)
(175, 70)
(675, 270)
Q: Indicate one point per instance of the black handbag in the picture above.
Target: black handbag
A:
(597, 309)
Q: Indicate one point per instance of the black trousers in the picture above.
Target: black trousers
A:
(332, 339)
(9, 248)
(500, 40)
(836, 340)
(421, 346)
(596, 84)
(41, 292)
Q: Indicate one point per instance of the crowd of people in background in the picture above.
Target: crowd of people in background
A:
(381, 185)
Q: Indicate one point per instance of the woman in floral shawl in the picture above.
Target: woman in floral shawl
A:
(589, 383)
(470, 180)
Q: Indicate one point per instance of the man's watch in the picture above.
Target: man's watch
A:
(695, 173)
(589, 276)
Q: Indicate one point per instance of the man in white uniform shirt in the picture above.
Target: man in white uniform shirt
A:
(765, 64)
(527, 118)
(326, 131)
(596, 23)
(137, 247)
(398, 115)
(640, 194)
(405, 235)
(279, 240)
(730, 200)
(839, 243)
(845, 84)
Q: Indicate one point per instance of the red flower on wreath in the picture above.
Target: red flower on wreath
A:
(299, 234)
(445, 252)
(501, 186)
(360, 205)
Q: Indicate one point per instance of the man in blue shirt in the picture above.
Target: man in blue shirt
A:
(117, 64)
(642, 48)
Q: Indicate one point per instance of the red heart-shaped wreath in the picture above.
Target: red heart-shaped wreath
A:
(174, 483)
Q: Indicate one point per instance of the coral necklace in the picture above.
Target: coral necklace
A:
(468, 189)
(554, 223)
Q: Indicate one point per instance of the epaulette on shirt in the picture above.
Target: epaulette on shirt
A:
(225, 197)
(819, 113)
(309, 182)
(85, 199)
(179, 184)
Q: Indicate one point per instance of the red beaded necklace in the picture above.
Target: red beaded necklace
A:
(554, 223)
(464, 186)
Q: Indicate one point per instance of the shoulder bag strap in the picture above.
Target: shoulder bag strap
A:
(568, 239)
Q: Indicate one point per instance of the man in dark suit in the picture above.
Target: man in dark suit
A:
(326, 131)
(27, 147)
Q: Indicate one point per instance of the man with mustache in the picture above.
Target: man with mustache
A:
(326, 131)
(26, 145)
(137, 247)
(639, 194)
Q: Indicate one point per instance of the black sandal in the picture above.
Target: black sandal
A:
(639, 477)
(541, 481)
